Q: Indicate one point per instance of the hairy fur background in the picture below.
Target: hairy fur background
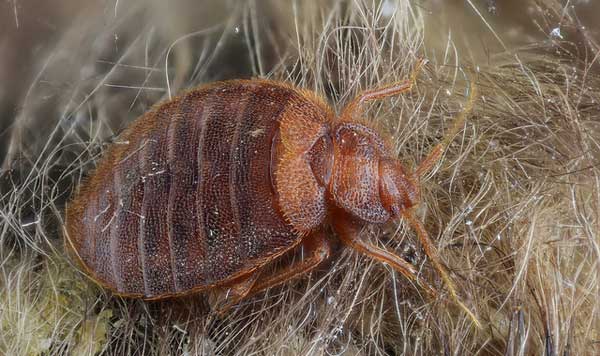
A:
(513, 206)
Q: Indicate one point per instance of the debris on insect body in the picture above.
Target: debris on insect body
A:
(555, 33)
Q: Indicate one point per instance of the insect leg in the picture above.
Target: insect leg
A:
(317, 249)
(352, 110)
(349, 230)
(436, 153)
(433, 255)
(236, 292)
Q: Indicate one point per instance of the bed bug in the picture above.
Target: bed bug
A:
(207, 189)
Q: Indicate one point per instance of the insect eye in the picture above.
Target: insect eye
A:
(349, 139)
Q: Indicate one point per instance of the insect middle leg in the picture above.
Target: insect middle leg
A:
(317, 249)
(234, 292)
(349, 230)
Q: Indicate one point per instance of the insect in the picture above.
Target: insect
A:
(205, 190)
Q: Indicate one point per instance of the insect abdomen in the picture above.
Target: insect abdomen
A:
(185, 199)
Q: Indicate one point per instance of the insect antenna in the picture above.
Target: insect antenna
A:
(431, 159)
(432, 253)
(436, 152)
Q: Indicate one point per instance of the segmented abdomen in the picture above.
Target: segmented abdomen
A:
(184, 198)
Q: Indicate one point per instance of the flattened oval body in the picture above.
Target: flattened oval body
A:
(185, 199)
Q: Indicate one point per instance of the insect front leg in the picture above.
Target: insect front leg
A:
(354, 108)
(348, 231)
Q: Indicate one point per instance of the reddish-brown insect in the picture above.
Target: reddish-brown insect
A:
(207, 189)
